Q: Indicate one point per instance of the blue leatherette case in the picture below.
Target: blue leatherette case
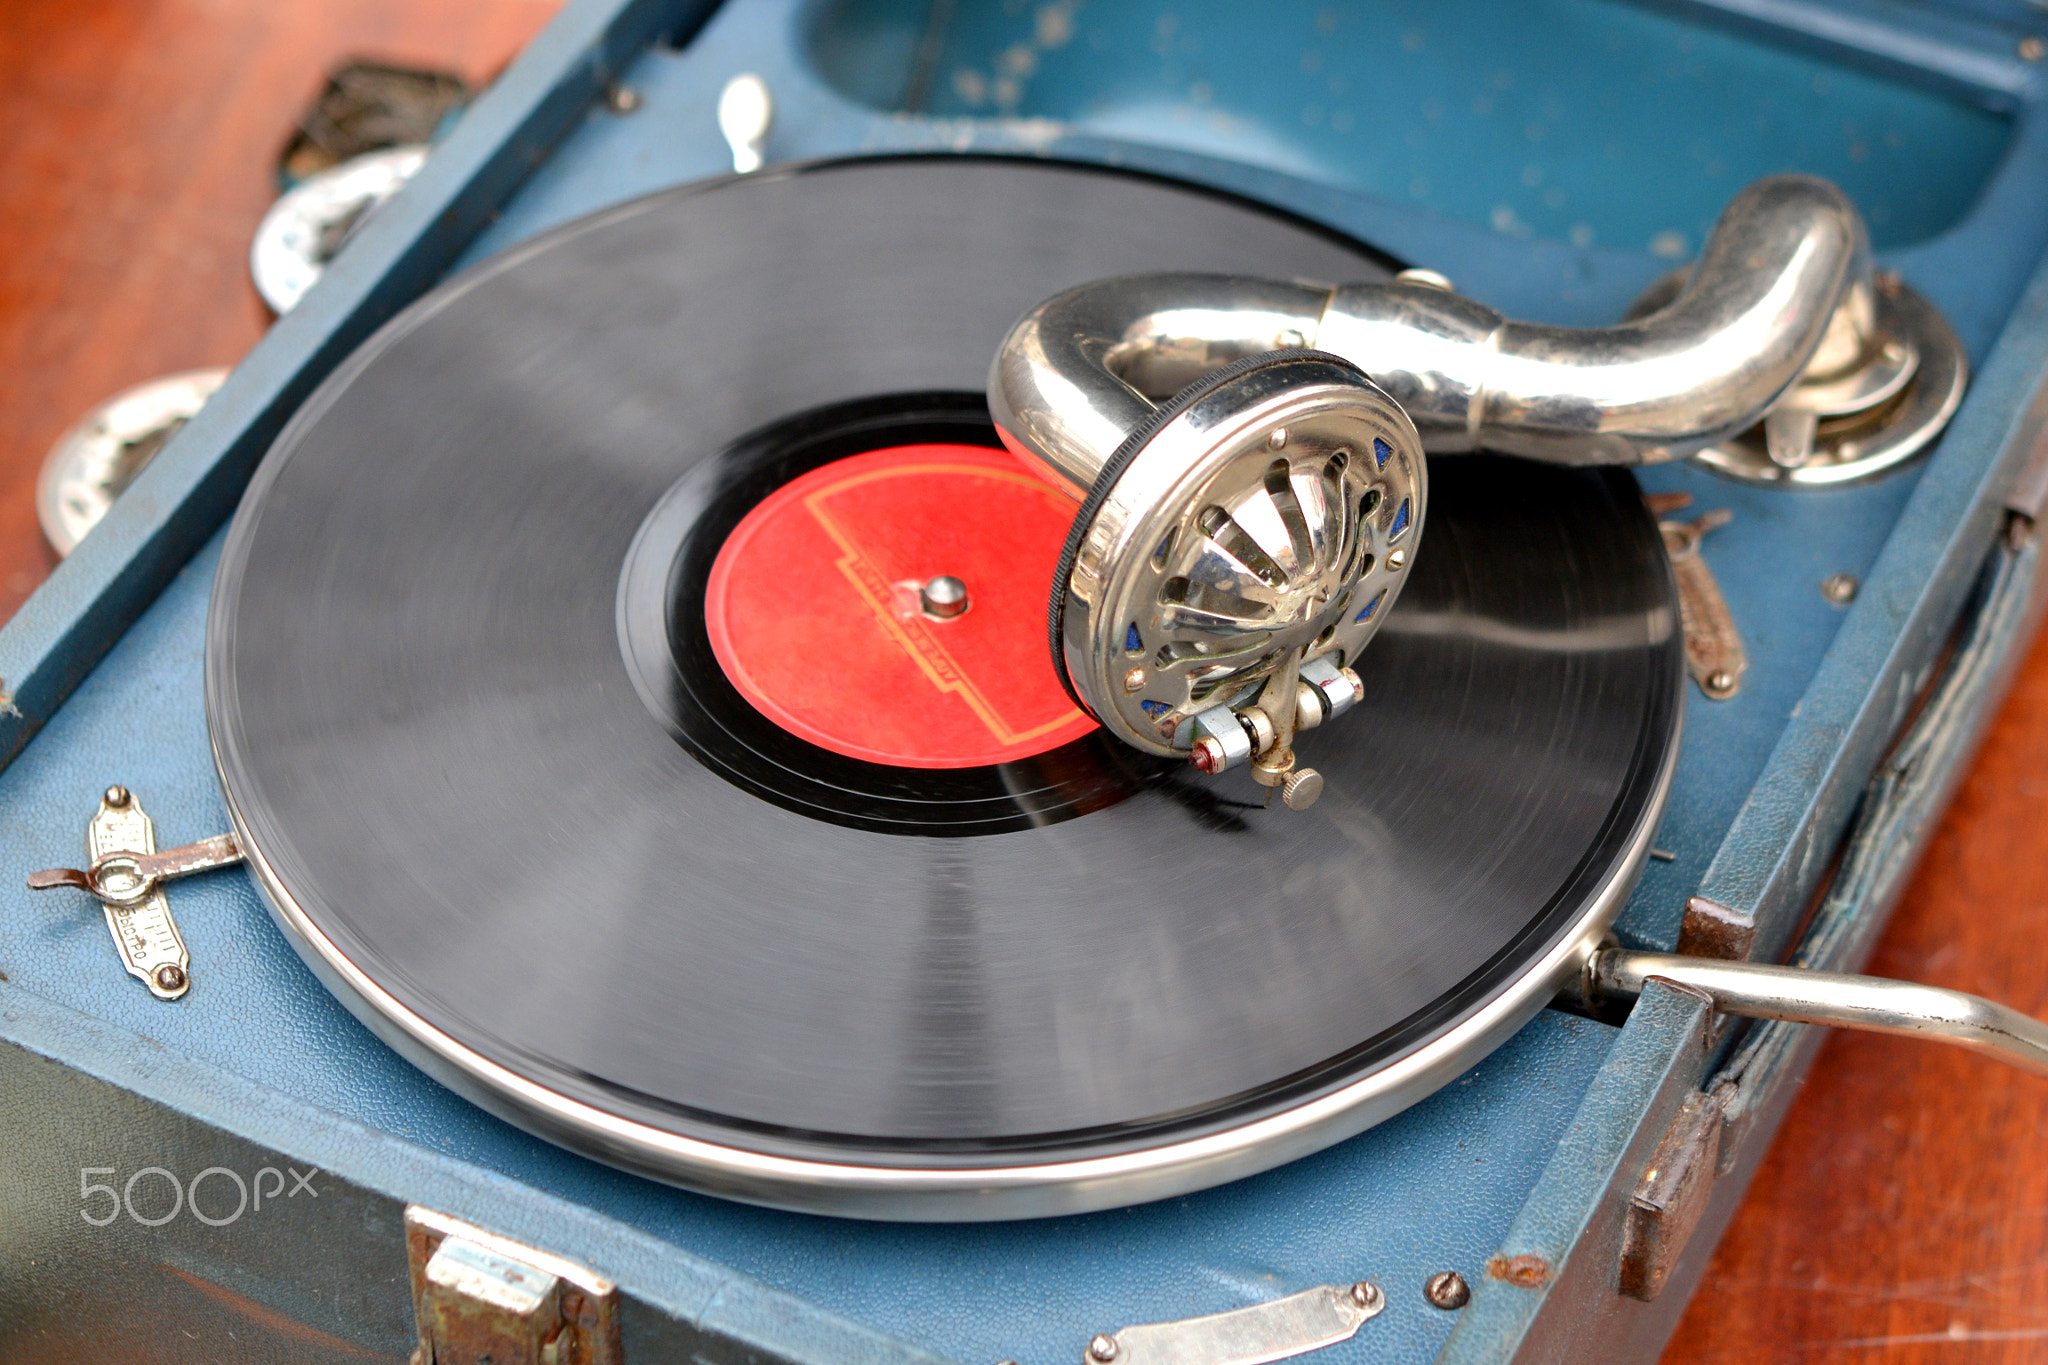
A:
(1551, 158)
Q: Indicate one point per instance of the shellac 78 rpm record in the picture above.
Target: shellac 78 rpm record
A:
(580, 691)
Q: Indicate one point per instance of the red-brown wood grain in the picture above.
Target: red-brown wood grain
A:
(1902, 1215)
(137, 144)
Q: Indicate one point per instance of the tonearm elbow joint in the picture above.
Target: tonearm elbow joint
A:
(1250, 454)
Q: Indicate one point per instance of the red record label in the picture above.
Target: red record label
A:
(813, 608)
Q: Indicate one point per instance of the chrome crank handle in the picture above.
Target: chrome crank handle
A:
(1870, 1004)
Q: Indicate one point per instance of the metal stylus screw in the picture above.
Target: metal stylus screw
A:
(1102, 1348)
(1300, 788)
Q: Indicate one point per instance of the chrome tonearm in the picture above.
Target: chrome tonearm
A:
(1250, 453)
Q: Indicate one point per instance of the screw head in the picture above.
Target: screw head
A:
(170, 976)
(622, 99)
(1301, 787)
(1721, 683)
(1278, 439)
(1839, 588)
(1208, 756)
(1397, 560)
(944, 597)
(117, 796)
(1447, 1290)
(1134, 681)
(1290, 340)
(1429, 279)
(1367, 1295)
(1102, 1348)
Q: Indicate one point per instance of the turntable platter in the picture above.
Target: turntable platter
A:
(519, 801)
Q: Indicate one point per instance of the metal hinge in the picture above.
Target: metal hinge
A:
(482, 1299)
(1711, 929)
(1671, 1197)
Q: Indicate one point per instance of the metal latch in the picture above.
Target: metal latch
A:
(126, 874)
(482, 1299)
(1314, 1318)
(1713, 646)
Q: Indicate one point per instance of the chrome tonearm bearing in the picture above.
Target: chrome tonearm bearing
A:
(1249, 454)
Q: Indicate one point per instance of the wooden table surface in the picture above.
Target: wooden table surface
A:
(1902, 1215)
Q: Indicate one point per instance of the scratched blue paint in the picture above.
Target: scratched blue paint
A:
(1519, 118)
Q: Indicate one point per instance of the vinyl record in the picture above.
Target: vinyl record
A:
(572, 690)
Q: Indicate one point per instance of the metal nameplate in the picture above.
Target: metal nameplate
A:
(126, 874)
(146, 936)
(1314, 1318)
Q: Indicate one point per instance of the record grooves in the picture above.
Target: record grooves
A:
(504, 797)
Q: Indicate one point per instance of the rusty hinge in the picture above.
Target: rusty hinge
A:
(482, 1299)
(1711, 929)
(1668, 1201)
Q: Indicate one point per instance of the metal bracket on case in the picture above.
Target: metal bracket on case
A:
(1707, 1138)
(126, 875)
(1671, 1197)
(1674, 1189)
(482, 1299)
(1713, 646)
(1302, 1322)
